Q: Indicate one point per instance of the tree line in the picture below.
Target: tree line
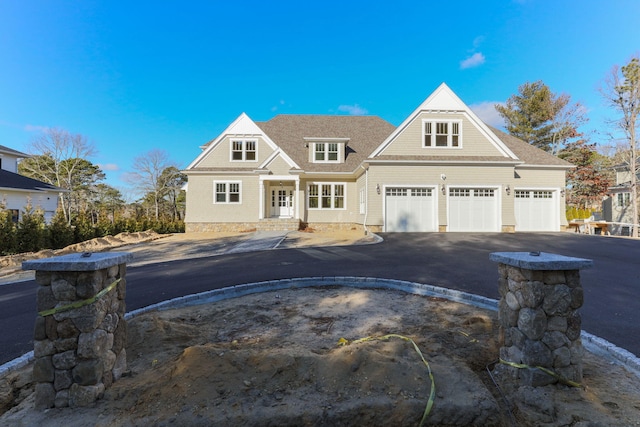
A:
(88, 207)
(552, 122)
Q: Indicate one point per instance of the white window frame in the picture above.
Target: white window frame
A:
(623, 200)
(362, 200)
(433, 125)
(327, 191)
(243, 149)
(326, 152)
(227, 192)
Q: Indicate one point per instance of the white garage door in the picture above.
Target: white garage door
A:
(536, 210)
(473, 209)
(410, 209)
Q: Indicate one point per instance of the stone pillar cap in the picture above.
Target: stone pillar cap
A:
(540, 261)
(88, 261)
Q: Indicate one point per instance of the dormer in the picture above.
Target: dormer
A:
(326, 150)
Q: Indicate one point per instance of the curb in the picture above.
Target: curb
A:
(591, 343)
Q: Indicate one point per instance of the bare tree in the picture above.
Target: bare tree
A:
(58, 156)
(149, 176)
(622, 92)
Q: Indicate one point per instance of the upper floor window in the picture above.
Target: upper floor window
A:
(243, 150)
(624, 199)
(442, 134)
(326, 152)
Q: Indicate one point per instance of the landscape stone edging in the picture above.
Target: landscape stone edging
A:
(591, 343)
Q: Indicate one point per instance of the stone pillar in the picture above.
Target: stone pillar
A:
(540, 294)
(80, 331)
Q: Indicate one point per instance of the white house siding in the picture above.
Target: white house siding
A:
(221, 154)
(48, 203)
(409, 142)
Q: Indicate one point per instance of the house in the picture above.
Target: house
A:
(616, 207)
(441, 170)
(17, 191)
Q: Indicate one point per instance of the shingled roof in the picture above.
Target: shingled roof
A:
(13, 181)
(13, 152)
(529, 154)
(363, 132)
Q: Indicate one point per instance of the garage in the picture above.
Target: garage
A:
(536, 210)
(473, 209)
(410, 209)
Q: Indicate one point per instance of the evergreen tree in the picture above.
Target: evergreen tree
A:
(30, 230)
(60, 234)
(7, 233)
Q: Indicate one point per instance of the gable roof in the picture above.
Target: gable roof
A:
(444, 99)
(11, 151)
(13, 181)
(294, 132)
(530, 155)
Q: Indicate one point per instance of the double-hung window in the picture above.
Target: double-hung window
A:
(243, 150)
(326, 152)
(326, 196)
(624, 199)
(226, 192)
(442, 134)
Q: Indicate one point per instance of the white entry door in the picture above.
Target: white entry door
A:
(282, 202)
(473, 209)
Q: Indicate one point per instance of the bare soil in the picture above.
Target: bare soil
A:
(274, 359)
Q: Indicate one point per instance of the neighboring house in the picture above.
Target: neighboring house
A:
(17, 191)
(442, 169)
(616, 207)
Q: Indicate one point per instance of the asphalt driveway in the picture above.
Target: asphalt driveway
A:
(453, 260)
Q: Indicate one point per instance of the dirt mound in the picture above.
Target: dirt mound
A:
(10, 263)
(274, 359)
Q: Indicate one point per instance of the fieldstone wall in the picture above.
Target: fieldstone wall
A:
(79, 352)
(540, 324)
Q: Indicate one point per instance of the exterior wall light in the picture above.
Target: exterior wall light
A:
(443, 189)
(508, 190)
(378, 188)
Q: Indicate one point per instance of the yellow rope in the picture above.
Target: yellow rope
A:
(78, 304)
(545, 370)
(432, 394)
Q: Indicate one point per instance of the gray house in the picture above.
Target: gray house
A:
(616, 207)
(16, 191)
(441, 170)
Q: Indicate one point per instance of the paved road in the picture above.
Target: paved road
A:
(453, 260)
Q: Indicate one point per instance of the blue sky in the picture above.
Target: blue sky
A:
(138, 75)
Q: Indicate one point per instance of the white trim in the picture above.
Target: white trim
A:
(333, 196)
(434, 123)
(443, 99)
(435, 191)
(555, 197)
(227, 192)
(274, 155)
(498, 189)
(339, 153)
(243, 150)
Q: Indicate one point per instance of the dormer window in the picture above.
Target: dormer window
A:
(326, 150)
(243, 150)
(442, 134)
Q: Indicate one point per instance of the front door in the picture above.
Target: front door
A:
(282, 202)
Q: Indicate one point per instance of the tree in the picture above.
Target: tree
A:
(174, 193)
(150, 178)
(622, 92)
(59, 157)
(541, 118)
(590, 180)
(30, 230)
